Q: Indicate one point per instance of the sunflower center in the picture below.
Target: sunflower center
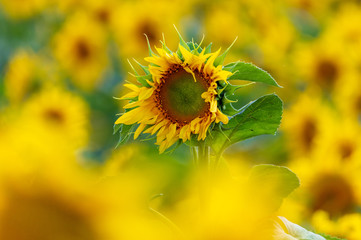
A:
(180, 96)
(82, 50)
(346, 150)
(333, 194)
(54, 116)
(327, 72)
(103, 15)
(308, 133)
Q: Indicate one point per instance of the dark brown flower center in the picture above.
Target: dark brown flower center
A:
(54, 116)
(103, 15)
(178, 96)
(332, 193)
(82, 50)
(326, 72)
(309, 131)
(346, 149)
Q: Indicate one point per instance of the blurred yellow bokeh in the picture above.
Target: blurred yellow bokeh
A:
(62, 63)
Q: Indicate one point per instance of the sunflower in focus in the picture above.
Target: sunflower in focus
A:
(180, 97)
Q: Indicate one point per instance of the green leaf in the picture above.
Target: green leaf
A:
(262, 116)
(288, 230)
(249, 72)
(275, 182)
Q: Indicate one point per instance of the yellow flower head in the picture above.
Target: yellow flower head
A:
(80, 48)
(179, 98)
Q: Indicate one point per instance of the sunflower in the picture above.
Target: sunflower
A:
(56, 127)
(333, 187)
(322, 63)
(180, 98)
(20, 75)
(64, 201)
(134, 20)
(80, 48)
(302, 126)
(346, 227)
(348, 97)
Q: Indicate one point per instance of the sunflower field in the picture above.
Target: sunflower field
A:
(168, 120)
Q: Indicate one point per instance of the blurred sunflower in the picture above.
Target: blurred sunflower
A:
(134, 20)
(348, 97)
(103, 12)
(80, 47)
(73, 203)
(348, 226)
(341, 139)
(302, 126)
(219, 17)
(344, 31)
(57, 118)
(19, 9)
(321, 65)
(180, 100)
(59, 112)
(20, 76)
(333, 187)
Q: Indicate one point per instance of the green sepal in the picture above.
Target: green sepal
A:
(229, 110)
(144, 68)
(193, 142)
(220, 59)
(181, 40)
(116, 128)
(230, 89)
(151, 53)
(124, 134)
(165, 48)
(208, 49)
(179, 143)
(250, 72)
(143, 80)
(194, 47)
(226, 100)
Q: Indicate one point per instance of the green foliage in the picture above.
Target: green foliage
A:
(125, 132)
(249, 72)
(220, 59)
(331, 238)
(273, 183)
(259, 117)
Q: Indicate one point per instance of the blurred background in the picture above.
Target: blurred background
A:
(63, 61)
